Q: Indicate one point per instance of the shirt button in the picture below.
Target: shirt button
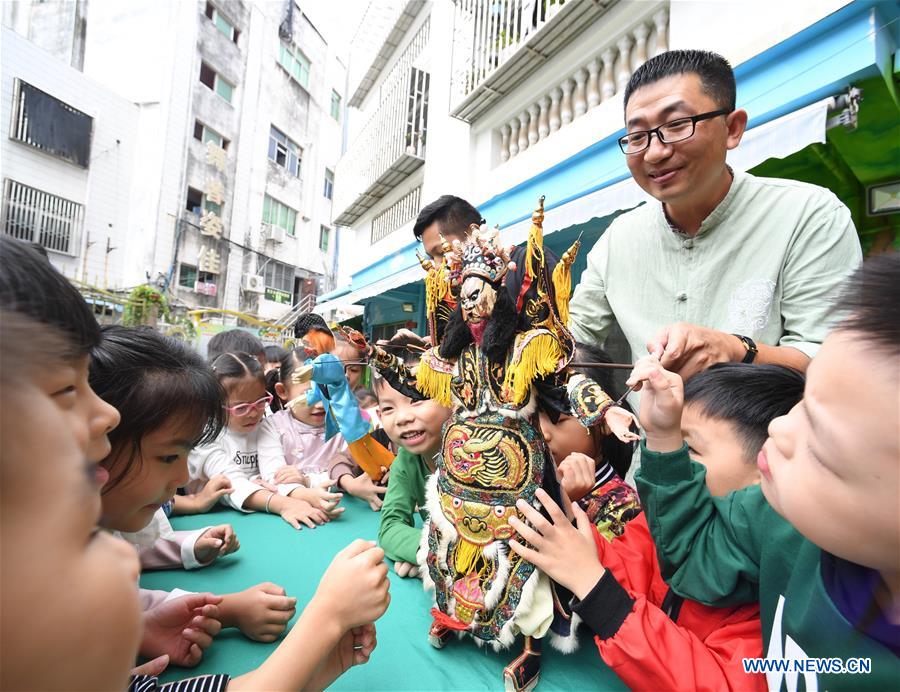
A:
(682, 297)
(688, 244)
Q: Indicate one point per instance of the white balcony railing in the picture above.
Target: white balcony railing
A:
(392, 143)
(497, 44)
(600, 78)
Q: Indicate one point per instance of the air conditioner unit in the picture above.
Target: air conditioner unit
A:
(253, 283)
(274, 233)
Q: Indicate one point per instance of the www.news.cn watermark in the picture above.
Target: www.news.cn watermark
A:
(819, 666)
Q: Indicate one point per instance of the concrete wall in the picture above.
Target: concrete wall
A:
(105, 188)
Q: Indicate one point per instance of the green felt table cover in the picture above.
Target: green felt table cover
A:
(273, 551)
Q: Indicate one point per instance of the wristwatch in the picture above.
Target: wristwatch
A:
(750, 345)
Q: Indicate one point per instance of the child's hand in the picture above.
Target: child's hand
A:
(576, 474)
(261, 612)
(300, 511)
(364, 488)
(216, 487)
(290, 474)
(568, 555)
(182, 628)
(321, 497)
(406, 569)
(155, 667)
(662, 399)
(620, 422)
(359, 569)
(216, 542)
(353, 649)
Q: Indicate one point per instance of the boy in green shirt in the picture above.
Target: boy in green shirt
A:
(817, 543)
(415, 426)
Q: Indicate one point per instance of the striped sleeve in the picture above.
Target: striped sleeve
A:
(201, 683)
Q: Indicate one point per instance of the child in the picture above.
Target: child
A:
(169, 401)
(649, 635)
(293, 449)
(49, 491)
(235, 451)
(235, 341)
(415, 426)
(817, 542)
(274, 355)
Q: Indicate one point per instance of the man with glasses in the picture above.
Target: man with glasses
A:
(725, 266)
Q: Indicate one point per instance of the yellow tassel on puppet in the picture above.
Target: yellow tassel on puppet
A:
(562, 281)
(537, 353)
(433, 377)
(534, 257)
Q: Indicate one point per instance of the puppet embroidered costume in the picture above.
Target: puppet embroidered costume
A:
(500, 353)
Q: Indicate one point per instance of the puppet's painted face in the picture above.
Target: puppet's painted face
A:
(477, 298)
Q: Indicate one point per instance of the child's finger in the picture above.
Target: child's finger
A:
(534, 517)
(531, 555)
(526, 532)
(197, 638)
(357, 547)
(285, 603)
(195, 655)
(210, 626)
(556, 514)
(153, 667)
(381, 489)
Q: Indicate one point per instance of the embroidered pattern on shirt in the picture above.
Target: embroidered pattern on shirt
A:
(750, 306)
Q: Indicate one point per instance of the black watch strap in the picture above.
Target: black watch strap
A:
(750, 345)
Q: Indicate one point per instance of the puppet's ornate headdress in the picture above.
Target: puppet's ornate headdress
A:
(481, 255)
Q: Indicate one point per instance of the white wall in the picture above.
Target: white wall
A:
(105, 188)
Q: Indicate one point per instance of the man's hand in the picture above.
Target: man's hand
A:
(687, 349)
(216, 542)
(405, 338)
(182, 628)
(567, 554)
(260, 612)
(662, 400)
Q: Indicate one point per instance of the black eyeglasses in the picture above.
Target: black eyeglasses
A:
(668, 133)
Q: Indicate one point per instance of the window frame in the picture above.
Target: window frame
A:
(214, 14)
(328, 191)
(207, 134)
(218, 81)
(280, 143)
(324, 237)
(335, 105)
(298, 61)
(277, 213)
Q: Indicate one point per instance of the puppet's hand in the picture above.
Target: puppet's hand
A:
(620, 422)
(327, 369)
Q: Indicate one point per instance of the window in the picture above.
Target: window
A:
(214, 81)
(187, 276)
(278, 214)
(206, 134)
(284, 151)
(335, 105)
(324, 235)
(291, 58)
(197, 203)
(222, 24)
(39, 217)
(50, 125)
(329, 184)
(279, 279)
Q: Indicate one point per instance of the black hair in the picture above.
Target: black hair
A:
(747, 396)
(612, 449)
(237, 366)
(233, 341)
(716, 75)
(453, 214)
(362, 393)
(30, 286)
(282, 374)
(870, 303)
(274, 354)
(498, 335)
(309, 321)
(152, 379)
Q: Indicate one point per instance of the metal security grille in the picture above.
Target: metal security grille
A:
(39, 217)
(392, 218)
(48, 124)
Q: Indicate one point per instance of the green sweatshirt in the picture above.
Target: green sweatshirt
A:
(398, 534)
(737, 549)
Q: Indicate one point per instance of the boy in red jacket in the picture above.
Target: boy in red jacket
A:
(651, 637)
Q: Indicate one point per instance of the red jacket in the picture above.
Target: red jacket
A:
(656, 640)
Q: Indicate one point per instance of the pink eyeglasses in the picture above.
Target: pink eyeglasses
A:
(242, 410)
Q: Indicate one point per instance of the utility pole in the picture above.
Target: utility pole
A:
(109, 249)
(87, 246)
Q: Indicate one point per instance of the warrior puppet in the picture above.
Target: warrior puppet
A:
(500, 354)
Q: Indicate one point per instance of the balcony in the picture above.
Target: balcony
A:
(392, 143)
(500, 43)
